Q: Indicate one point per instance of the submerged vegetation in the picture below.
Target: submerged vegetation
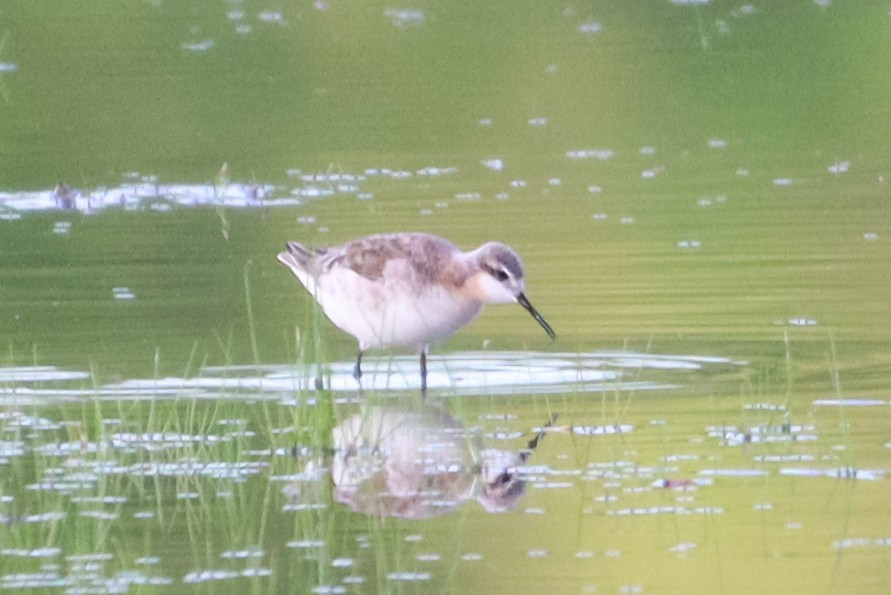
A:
(212, 479)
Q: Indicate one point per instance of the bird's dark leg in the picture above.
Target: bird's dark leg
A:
(424, 372)
(357, 369)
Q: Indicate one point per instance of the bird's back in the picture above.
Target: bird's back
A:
(428, 256)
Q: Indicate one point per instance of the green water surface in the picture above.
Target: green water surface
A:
(681, 179)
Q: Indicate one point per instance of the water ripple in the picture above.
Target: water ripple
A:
(463, 373)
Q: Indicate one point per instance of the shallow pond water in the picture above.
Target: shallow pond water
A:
(698, 191)
(237, 477)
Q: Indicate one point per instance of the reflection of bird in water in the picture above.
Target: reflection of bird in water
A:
(419, 464)
(407, 289)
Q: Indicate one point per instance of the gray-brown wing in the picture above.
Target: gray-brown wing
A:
(427, 254)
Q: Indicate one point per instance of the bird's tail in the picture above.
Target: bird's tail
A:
(296, 254)
(298, 258)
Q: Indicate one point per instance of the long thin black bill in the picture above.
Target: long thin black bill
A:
(521, 299)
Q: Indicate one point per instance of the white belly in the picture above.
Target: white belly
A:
(385, 313)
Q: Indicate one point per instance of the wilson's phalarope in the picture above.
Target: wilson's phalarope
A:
(407, 289)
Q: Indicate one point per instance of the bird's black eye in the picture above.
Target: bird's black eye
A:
(502, 275)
